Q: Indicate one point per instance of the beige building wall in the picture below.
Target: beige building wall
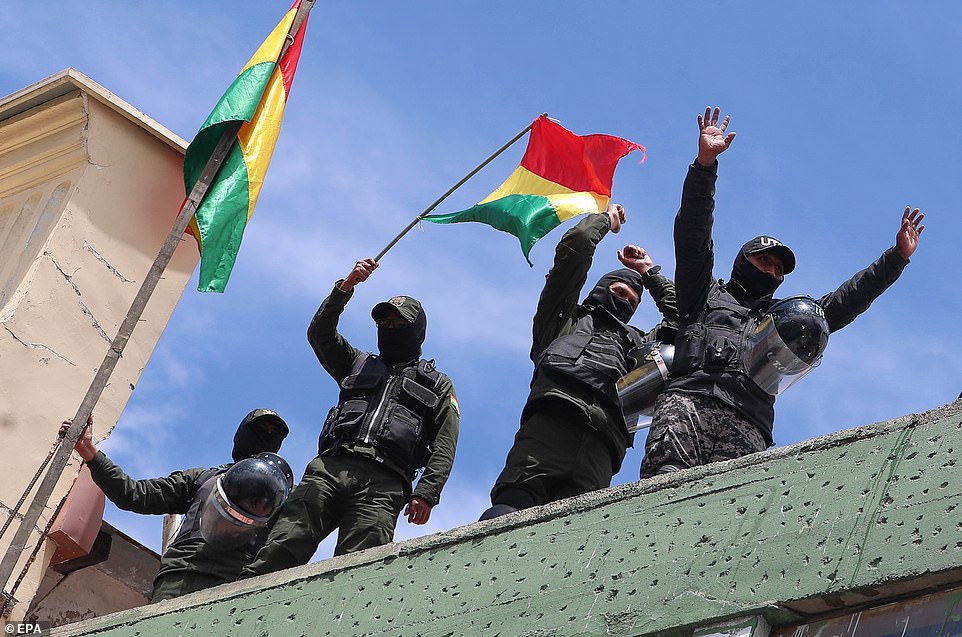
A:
(89, 188)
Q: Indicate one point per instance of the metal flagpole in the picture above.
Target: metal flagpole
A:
(453, 188)
(116, 349)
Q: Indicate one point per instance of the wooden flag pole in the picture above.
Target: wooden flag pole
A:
(61, 457)
(453, 188)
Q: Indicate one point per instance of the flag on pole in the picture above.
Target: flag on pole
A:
(562, 175)
(257, 97)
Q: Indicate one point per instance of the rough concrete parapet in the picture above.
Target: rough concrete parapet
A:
(851, 519)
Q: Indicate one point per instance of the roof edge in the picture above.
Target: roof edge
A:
(71, 79)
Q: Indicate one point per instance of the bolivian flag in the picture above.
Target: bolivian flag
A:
(562, 175)
(256, 97)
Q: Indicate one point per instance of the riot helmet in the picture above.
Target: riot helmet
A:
(243, 499)
(260, 430)
(638, 389)
(786, 344)
(602, 296)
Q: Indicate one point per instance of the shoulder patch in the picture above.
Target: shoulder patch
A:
(454, 403)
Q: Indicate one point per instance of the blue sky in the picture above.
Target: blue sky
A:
(845, 114)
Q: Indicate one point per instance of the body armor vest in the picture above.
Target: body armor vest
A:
(595, 358)
(708, 358)
(393, 414)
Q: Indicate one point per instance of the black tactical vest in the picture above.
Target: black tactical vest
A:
(393, 414)
(594, 358)
(708, 358)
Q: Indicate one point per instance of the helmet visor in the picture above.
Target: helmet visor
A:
(772, 364)
(226, 525)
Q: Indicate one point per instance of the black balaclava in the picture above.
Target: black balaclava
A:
(758, 284)
(251, 438)
(601, 296)
(401, 344)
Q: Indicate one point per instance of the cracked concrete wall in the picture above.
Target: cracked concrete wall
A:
(88, 190)
(853, 519)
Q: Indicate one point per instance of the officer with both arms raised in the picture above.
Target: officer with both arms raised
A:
(719, 404)
(573, 436)
(395, 415)
(226, 508)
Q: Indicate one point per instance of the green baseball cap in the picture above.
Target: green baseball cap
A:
(407, 306)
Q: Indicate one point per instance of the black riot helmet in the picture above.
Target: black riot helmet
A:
(602, 296)
(786, 344)
(260, 430)
(243, 499)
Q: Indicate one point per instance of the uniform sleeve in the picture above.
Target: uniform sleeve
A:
(559, 298)
(662, 290)
(694, 249)
(438, 468)
(335, 354)
(856, 295)
(172, 494)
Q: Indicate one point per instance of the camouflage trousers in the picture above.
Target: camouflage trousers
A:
(689, 430)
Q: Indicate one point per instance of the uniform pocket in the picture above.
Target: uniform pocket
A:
(721, 347)
(347, 423)
(421, 395)
(689, 350)
(400, 438)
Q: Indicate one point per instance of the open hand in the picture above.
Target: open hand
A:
(712, 140)
(907, 239)
(636, 258)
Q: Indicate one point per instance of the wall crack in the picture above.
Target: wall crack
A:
(38, 346)
(83, 306)
(106, 263)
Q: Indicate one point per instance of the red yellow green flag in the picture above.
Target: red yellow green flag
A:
(257, 97)
(562, 175)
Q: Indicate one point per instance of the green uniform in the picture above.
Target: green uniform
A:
(189, 564)
(573, 437)
(358, 482)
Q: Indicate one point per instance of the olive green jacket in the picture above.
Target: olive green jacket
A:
(338, 356)
(170, 494)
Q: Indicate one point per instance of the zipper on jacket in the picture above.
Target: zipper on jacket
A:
(366, 438)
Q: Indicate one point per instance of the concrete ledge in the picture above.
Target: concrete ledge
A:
(847, 520)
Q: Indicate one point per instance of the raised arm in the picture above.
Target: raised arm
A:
(856, 295)
(660, 287)
(567, 276)
(170, 494)
(694, 250)
(335, 354)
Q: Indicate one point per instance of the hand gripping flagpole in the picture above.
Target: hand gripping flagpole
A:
(97, 385)
(438, 201)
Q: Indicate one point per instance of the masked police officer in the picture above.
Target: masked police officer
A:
(209, 552)
(712, 409)
(573, 436)
(396, 414)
